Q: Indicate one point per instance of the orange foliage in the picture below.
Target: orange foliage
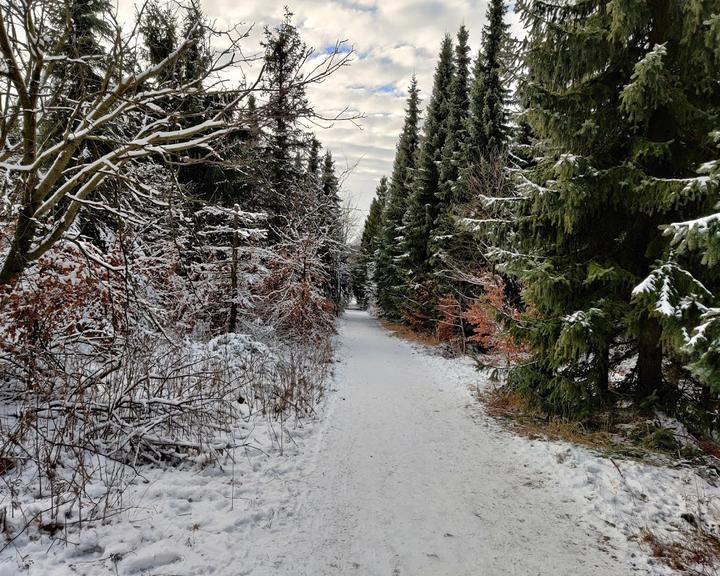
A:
(62, 297)
(451, 316)
(483, 314)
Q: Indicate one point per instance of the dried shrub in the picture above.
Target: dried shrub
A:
(485, 315)
(450, 326)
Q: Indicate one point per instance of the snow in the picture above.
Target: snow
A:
(401, 473)
(661, 283)
(567, 160)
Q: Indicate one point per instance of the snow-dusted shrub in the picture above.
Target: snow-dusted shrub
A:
(105, 369)
(290, 297)
(76, 428)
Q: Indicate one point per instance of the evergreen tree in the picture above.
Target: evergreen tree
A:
(482, 178)
(331, 250)
(458, 108)
(444, 240)
(494, 111)
(313, 161)
(84, 29)
(389, 276)
(486, 124)
(683, 290)
(285, 54)
(364, 269)
(80, 26)
(158, 25)
(621, 97)
(197, 58)
(422, 204)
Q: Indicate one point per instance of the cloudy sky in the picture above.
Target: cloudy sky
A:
(391, 39)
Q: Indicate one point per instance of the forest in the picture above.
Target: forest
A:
(555, 204)
(209, 364)
(172, 244)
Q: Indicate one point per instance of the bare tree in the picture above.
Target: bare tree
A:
(133, 115)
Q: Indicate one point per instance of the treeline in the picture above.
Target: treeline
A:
(560, 205)
(172, 242)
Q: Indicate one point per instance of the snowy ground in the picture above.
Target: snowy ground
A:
(403, 474)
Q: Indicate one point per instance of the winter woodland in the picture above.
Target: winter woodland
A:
(176, 255)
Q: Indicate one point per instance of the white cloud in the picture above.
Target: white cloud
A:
(392, 40)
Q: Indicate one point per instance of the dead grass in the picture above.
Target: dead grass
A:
(406, 333)
(698, 555)
(515, 410)
(710, 448)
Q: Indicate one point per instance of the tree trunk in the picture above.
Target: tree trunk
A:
(232, 322)
(603, 375)
(16, 259)
(649, 363)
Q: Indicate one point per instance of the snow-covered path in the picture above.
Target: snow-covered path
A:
(403, 474)
(408, 477)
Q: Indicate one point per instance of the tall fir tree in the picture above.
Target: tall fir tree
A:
(487, 122)
(329, 212)
(458, 109)
(285, 54)
(82, 28)
(159, 27)
(313, 161)
(422, 203)
(494, 117)
(454, 251)
(85, 29)
(197, 58)
(444, 240)
(622, 98)
(390, 277)
(364, 269)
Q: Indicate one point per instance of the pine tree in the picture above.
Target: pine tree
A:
(329, 212)
(364, 269)
(285, 54)
(158, 26)
(621, 97)
(485, 152)
(85, 29)
(682, 291)
(494, 112)
(390, 277)
(197, 58)
(459, 105)
(313, 161)
(423, 199)
(487, 122)
(444, 240)
(80, 26)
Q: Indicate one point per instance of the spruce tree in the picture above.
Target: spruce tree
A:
(84, 29)
(285, 54)
(158, 26)
(467, 160)
(81, 26)
(329, 212)
(197, 58)
(445, 240)
(423, 199)
(683, 291)
(390, 276)
(458, 108)
(364, 269)
(313, 161)
(621, 97)
(487, 122)
(495, 94)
